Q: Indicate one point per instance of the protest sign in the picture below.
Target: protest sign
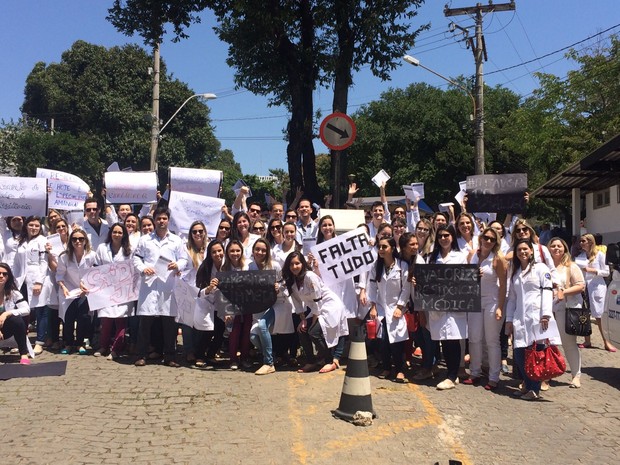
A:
(196, 181)
(23, 196)
(187, 208)
(245, 292)
(185, 296)
(447, 288)
(112, 284)
(380, 178)
(65, 191)
(130, 186)
(344, 256)
(344, 220)
(500, 193)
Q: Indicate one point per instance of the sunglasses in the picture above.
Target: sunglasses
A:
(224, 228)
(444, 236)
(276, 226)
(198, 231)
(521, 230)
(260, 228)
(489, 238)
(399, 212)
(291, 216)
(92, 209)
(4, 274)
(78, 239)
(254, 210)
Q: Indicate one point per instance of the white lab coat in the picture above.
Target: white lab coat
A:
(31, 266)
(204, 310)
(70, 273)
(156, 295)
(393, 289)
(595, 282)
(105, 256)
(529, 299)
(283, 308)
(449, 325)
(96, 239)
(324, 303)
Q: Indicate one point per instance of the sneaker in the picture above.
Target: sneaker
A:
(82, 350)
(140, 362)
(234, 366)
(112, 356)
(87, 344)
(417, 352)
(530, 395)
(38, 349)
(97, 354)
(66, 351)
(446, 384)
(24, 361)
(265, 370)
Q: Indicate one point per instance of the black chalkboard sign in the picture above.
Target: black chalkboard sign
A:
(245, 292)
(447, 288)
(499, 193)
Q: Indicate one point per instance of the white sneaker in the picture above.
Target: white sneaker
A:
(265, 370)
(112, 356)
(38, 349)
(446, 384)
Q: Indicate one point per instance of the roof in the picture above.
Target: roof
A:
(598, 170)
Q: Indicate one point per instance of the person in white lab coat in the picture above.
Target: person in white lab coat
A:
(327, 320)
(13, 307)
(530, 303)
(389, 292)
(448, 327)
(158, 258)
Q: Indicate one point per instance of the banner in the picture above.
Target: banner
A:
(130, 186)
(447, 288)
(23, 196)
(187, 208)
(113, 284)
(499, 193)
(65, 191)
(196, 181)
(344, 256)
(245, 292)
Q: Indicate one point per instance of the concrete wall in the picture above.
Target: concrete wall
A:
(606, 220)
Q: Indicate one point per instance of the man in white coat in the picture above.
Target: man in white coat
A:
(158, 258)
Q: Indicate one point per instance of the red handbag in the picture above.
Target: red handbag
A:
(544, 364)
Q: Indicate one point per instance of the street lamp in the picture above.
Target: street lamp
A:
(157, 135)
(479, 140)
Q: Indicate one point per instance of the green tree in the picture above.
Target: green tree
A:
(99, 101)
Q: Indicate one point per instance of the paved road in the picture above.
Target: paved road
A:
(104, 412)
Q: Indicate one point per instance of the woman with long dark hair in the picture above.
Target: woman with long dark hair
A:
(241, 232)
(116, 248)
(13, 307)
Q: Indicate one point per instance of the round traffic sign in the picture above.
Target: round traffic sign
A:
(338, 131)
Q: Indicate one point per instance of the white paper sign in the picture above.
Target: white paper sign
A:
(345, 220)
(185, 295)
(130, 186)
(344, 256)
(460, 196)
(56, 243)
(445, 207)
(66, 191)
(161, 268)
(552, 333)
(307, 244)
(23, 196)
(238, 185)
(196, 181)
(187, 208)
(414, 191)
(380, 178)
(112, 284)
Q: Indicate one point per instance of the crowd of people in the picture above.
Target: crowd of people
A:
(523, 283)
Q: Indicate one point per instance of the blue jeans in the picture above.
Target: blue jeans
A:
(262, 340)
(42, 315)
(519, 359)
(422, 339)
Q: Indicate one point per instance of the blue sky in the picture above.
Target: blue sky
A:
(32, 31)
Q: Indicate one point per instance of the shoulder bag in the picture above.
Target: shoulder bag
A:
(577, 320)
(541, 365)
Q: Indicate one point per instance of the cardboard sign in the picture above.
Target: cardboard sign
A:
(23, 196)
(345, 220)
(112, 284)
(244, 292)
(196, 181)
(187, 208)
(66, 191)
(447, 288)
(500, 193)
(130, 186)
(344, 256)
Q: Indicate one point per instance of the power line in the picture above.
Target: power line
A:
(554, 52)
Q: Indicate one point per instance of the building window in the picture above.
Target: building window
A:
(601, 198)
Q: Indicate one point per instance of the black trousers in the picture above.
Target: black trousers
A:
(169, 335)
(77, 316)
(15, 326)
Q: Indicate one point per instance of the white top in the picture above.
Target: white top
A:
(94, 238)
(595, 281)
(16, 304)
(70, 272)
(106, 256)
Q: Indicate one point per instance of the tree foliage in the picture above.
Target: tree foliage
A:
(100, 103)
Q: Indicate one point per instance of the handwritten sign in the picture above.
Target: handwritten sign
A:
(344, 256)
(112, 284)
(66, 191)
(187, 208)
(185, 296)
(245, 292)
(447, 288)
(23, 196)
(130, 186)
(196, 181)
(501, 193)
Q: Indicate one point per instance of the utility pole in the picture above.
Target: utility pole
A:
(480, 52)
(155, 112)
